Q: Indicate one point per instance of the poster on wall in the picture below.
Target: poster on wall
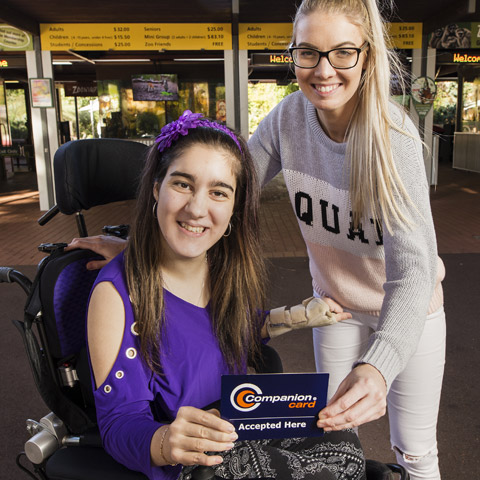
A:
(423, 93)
(41, 92)
(155, 87)
(454, 35)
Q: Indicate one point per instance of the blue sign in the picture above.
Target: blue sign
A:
(281, 405)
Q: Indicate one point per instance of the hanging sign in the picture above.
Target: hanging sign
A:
(423, 93)
(13, 39)
(406, 35)
(264, 36)
(278, 36)
(80, 89)
(271, 59)
(462, 57)
(455, 35)
(136, 36)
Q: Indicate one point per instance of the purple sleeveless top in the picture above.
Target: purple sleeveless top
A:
(133, 402)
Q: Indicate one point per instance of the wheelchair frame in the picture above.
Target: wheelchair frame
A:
(83, 179)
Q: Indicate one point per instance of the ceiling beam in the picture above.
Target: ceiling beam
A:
(457, 11)
(18, 19)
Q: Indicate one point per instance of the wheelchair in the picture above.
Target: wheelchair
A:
(65, 444)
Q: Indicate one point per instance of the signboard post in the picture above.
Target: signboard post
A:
(423, 93)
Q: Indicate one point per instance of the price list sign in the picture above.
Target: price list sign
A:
(406, 35)
(264, 36)
(136, 36)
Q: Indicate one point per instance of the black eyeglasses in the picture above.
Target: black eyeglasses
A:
(339, 58)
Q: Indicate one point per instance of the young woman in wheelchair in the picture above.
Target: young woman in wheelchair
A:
(181, 306)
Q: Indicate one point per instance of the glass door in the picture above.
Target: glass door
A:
(5, 134)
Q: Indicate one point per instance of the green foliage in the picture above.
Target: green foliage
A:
(147, 124)
(84, 115)
(262, 97)
(445, 103)
(17, 113)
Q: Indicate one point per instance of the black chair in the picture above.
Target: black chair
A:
(94, 172)
(65, 444)
(87, 173)
(53, 331)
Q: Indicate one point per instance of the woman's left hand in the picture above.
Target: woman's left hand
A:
(360, 398)
(190, 435)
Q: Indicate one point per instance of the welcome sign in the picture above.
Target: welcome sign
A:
(281, 405)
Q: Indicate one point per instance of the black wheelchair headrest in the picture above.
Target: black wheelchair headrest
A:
(96, 172)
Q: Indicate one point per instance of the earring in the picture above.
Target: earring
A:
(229, 230)
(154, 210)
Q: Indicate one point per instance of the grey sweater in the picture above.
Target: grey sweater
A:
(395, 276)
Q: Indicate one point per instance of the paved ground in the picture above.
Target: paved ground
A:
(456, 208)
(455, 205)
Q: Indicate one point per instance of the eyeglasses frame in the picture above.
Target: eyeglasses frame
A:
(359, 50)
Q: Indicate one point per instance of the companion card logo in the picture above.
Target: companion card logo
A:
(247, 397)
(243, 396)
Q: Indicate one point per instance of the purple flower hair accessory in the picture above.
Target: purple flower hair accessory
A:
(188, 120)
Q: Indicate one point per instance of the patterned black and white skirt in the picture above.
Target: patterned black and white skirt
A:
(335, 456)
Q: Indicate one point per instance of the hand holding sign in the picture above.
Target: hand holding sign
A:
(274, 405)
(192, 433)
(360, 398)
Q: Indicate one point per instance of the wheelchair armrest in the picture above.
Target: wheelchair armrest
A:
(9, 275)
(48, 215)
(91, 438)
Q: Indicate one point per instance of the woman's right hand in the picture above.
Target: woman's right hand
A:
(193, 433)
(106, 245)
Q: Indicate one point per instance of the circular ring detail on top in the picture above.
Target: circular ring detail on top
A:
(131, 353)
(133, 329)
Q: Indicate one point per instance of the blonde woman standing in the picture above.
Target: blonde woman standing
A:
(353, 166)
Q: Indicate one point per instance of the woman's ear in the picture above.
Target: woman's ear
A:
(156, 188)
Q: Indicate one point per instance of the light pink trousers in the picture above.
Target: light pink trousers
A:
(414, 397)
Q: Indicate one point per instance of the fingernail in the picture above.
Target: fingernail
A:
(322, 416)
(233, 437)
(229, 446)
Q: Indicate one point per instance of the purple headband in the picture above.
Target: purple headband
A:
(172, 131)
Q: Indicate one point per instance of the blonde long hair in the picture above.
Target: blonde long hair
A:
(375, 185)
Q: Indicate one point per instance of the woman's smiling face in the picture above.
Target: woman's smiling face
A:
(333, 92)
(195, 201)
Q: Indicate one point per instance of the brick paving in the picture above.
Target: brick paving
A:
(455, 206)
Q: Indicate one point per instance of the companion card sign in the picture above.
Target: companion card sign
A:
(281, 405)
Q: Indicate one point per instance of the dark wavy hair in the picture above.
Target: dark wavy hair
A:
(236, 266)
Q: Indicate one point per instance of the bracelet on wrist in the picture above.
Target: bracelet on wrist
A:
(162, 440)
